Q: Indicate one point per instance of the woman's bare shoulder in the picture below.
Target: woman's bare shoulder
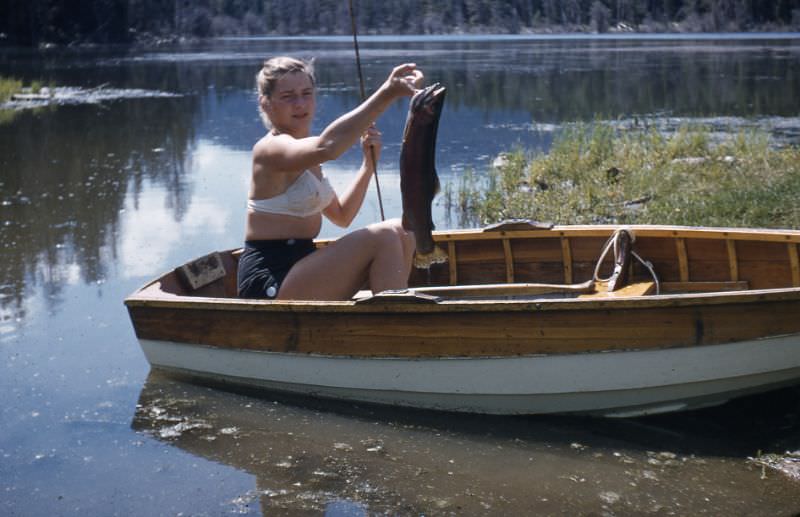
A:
(263, 157)
(263, 146)
(275, 148)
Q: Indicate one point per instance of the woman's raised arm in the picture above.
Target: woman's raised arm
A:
(286, 153)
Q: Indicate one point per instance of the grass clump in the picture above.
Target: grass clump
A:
(8, 87)
(596, 174)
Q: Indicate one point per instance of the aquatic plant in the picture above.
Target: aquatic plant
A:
(598, 173)
(8, 87)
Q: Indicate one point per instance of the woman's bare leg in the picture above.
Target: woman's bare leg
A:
(380, 253)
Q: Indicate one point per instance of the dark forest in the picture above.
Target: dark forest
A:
(65, 22)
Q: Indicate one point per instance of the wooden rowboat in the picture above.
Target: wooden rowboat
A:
(516, 322)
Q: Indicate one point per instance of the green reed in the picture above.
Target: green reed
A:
(600, 174)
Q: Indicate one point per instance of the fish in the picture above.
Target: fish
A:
(419, 182)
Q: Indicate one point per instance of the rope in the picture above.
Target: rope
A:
(363, 97)
(613, 241)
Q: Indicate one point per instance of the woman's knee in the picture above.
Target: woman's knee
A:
(387, 232)
(396, 226)
(406, 236)
(390, 237)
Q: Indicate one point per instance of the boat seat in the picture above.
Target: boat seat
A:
(632, 289)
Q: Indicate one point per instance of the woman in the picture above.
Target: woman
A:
(289, 194)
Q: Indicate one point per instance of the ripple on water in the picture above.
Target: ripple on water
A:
(68, 95)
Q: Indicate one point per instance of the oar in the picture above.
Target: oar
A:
(363, 97)
(517, 291)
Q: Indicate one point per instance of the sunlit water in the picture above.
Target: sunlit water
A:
(96, 198)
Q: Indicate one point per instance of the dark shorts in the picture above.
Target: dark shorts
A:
(264, 265)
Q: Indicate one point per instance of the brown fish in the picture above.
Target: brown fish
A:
(418, 180)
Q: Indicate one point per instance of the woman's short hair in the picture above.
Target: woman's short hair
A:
(275, 68)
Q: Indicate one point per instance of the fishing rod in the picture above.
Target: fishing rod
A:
(363, 97)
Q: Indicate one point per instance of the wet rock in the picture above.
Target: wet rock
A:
(441, 504)
(609, 497)
(373, 445)
(649, 474)
(624, 458)
(663, 459)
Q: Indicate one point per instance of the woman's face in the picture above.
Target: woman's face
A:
(290, 107)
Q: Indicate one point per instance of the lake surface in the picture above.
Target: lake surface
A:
(97, 198)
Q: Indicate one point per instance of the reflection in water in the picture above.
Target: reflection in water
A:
(320, 455)
(557, 81)
(67, 173)
(619, 80)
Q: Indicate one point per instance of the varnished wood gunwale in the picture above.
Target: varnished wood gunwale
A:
(689, 232)
(438, 333)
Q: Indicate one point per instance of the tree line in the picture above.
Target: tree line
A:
(37, 22)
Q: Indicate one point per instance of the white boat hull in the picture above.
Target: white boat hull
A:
(614, 383)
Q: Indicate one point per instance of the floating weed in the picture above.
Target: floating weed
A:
(599, 174)
(787, 463)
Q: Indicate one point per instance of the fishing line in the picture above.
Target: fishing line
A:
(363, 97)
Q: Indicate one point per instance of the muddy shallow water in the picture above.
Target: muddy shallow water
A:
(307, 455)
(97, 198)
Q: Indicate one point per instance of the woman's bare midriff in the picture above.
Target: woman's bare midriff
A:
(262, 226)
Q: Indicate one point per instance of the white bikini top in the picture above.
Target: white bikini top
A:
(306, 196)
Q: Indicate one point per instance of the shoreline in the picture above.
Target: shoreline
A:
(543, 33)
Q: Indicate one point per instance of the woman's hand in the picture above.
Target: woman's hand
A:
(371, 139)
(404, 80)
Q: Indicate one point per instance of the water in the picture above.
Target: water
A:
(97, 198)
